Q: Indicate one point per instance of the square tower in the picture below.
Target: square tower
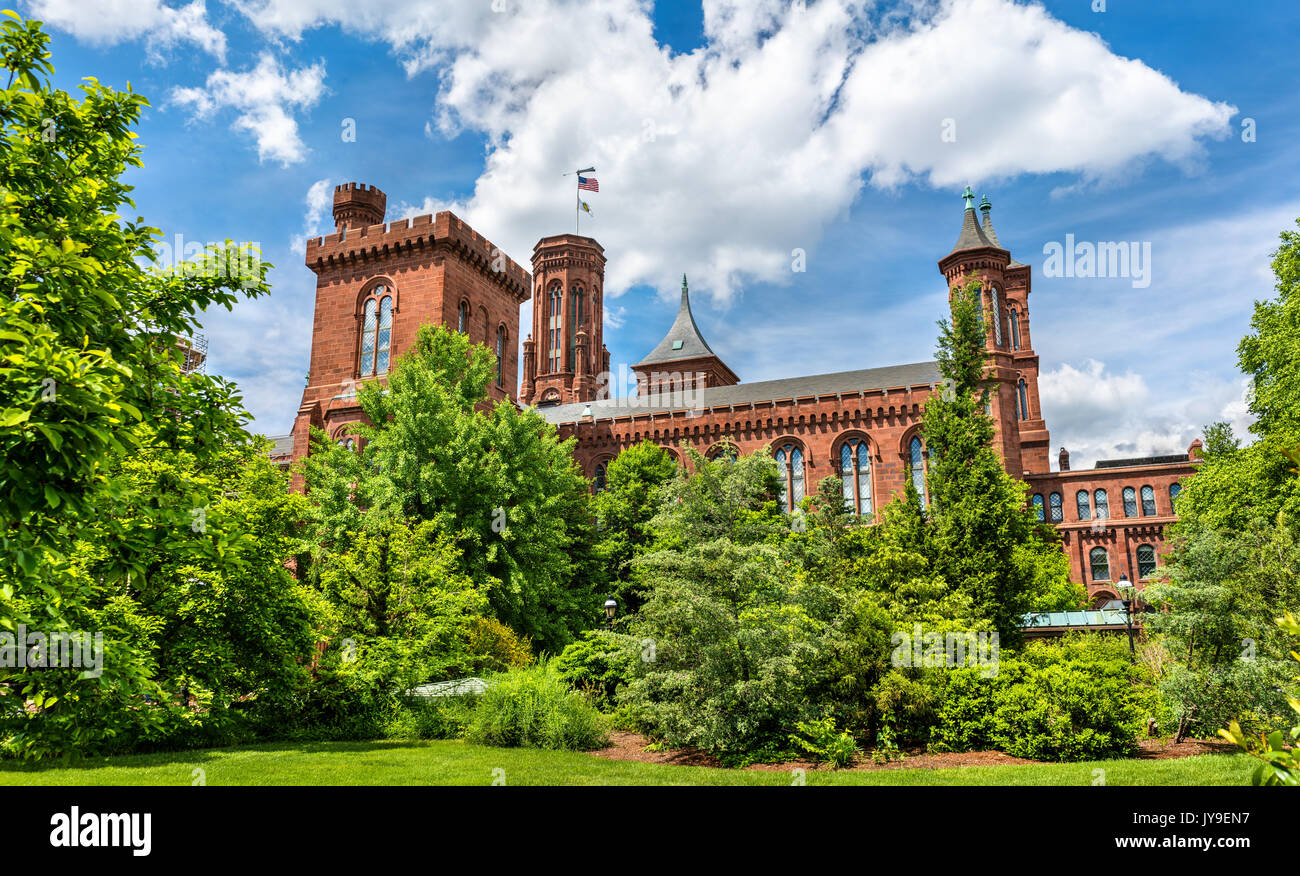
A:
(377, 283)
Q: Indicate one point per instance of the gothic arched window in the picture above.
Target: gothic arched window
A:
(1174, 490)
(462, 318)
(1022, 399)
(997, 317)
(1081, 504)
(501, 354)
(789, 462)
(553, 341)
(575, 321)
(1015, 329)
(1038, 507)
(376, 332)
(1054, 508)
(1100, 562)
(1101, 503)
(916, 457)
(598, 477)
(855, 476)
(1130, 502)
(1148, 502)
(1146, 560)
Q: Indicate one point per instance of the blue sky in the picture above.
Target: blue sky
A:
(729, 134)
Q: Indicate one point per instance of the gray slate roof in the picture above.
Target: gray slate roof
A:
(684, 330)
(972, 236)
(283, 444)
(761, 391)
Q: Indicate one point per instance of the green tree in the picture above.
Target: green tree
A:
(623, 512)
(97, 415)
(1218, 604)
(983, 538)
(498, 482)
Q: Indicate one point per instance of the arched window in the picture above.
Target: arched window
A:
(553, 343)
(789, 461)
(598, 478)
(501, 354)
(1022, 399)
(1148, 502)
(997, 316)
(1146, 560)
(1100, 562)
(1081, 503)
(1130, 502)
(462, 318)
(1101, 503)
(347, 443)
(376, 332)
(1174, 490)
(916, 456)
(575, 321)
(855, 476)
(1054, 508)
(1038, 507)
(726, 452)
(1015, 329)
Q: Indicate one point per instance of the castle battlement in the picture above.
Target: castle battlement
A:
(377, 242)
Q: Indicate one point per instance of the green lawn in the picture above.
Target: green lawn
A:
(457, 763)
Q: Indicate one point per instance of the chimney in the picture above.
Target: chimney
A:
(1065, 459)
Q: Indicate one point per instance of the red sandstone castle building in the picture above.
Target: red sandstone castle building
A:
(376, 283)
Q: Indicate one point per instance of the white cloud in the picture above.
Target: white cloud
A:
(108, 22)
(262, 99)
(1100, 415)
(319, 201)
(720, 161)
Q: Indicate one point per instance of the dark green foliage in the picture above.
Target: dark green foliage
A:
(624, 510)
(982, 538)
(599, 663)
(1077, 699)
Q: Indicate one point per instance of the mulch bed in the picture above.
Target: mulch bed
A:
(631, 746)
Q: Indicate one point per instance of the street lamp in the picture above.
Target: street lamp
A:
(611, 608)
(1127, 593)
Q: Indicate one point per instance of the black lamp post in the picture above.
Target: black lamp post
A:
(611, 609)
(1128, 594)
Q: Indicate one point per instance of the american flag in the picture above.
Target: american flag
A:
(588, 183)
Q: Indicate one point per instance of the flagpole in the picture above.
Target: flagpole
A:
(577, 197)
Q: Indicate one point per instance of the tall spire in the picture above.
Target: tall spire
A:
(683, 340)
(986, 226)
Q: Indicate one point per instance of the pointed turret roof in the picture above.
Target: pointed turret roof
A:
(986, 207)
(683, 340)
(972, 236)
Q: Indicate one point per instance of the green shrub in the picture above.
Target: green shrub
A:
(431, 717)
(599, 663)
(533, 707)
(820, 739)
(1076, 699)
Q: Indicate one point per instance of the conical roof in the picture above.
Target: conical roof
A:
(683, 340)
(986, 207)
